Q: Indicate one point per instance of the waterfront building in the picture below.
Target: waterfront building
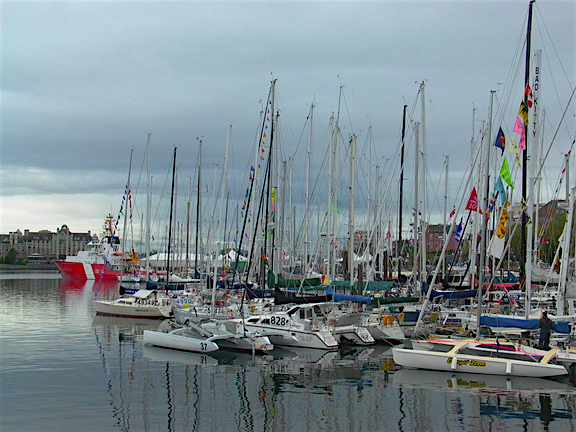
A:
(44, 245)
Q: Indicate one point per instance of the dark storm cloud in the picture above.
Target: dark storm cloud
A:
(82, 82)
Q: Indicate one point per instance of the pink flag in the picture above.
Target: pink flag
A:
(522, 144)
(518, 126)
(520, 129)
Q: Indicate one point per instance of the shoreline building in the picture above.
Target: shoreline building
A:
(44, 246)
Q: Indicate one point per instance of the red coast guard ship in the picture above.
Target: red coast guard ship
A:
(101, 261)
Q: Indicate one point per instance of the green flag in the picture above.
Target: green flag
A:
(505, 173)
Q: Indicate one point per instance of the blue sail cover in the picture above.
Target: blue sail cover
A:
(347, 297)
(488, 321)
(458, 294)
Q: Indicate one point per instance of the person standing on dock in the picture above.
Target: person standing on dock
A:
(545, 325)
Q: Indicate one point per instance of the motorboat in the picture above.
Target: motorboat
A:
(302, 325)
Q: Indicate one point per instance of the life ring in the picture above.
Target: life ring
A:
(388, 320)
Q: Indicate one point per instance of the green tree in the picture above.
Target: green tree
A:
(10, 257)
(549, 241)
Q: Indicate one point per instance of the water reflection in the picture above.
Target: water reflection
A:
(58, 356)
(476, 383)
(293, 389)
(498, 400)
(174, 356)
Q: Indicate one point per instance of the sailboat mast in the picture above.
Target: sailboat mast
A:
(399, 246)
(331, 210)
(351, 213)
(332, 198)
(223, 188)
(484, 223)
(444, 234)
(307, 214)
(187, 260)
(536, 144)
(198, 207)
(148, 204)
(567, 236)
(525, 156)
(171, 214)
(268, 218)
(128, 204)
(423, 210)
(416, 224)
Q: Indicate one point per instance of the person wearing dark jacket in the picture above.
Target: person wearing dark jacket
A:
(545, 325)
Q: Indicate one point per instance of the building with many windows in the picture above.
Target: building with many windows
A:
(435, 237)
(44, 245)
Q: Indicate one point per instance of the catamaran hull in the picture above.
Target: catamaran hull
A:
(175, 341)
(474, 364)
(354, 335)
(321, 339)
(386, 333)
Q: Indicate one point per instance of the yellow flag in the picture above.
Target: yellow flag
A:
(501, 230)
(523, 112)
(513, 148)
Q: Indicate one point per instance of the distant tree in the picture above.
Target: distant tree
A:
(549, 239)
(552, 232)
(10, 257)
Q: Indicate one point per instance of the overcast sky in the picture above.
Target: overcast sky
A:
(82, 83)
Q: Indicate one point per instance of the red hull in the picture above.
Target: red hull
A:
(81, 271)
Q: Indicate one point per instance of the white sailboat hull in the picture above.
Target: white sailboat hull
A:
(453, 361)
(105, 307)
(177, 341)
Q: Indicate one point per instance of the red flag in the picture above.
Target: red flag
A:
(528, 92)
(473, 202)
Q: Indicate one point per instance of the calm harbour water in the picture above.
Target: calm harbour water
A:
(64, 369)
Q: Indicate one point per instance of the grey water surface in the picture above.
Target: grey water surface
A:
(62, 368)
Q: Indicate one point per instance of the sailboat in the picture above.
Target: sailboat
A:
(481, 356)
(495, 356)
(141, 304)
